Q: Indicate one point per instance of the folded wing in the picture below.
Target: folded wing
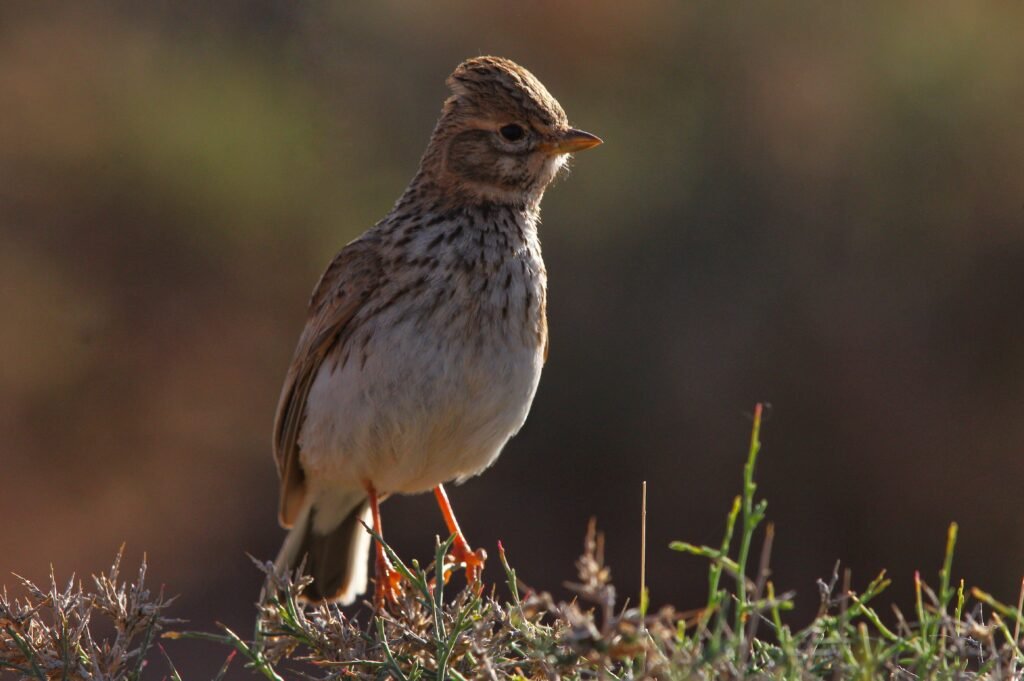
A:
(345, 287)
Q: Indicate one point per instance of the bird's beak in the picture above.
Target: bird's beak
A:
(570, 142)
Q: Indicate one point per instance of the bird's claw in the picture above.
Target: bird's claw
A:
(388, 589)
(388, 585)
(473, 561)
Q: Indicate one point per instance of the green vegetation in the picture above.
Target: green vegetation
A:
(740, 631)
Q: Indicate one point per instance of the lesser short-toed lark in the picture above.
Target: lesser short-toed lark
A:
(426, 335)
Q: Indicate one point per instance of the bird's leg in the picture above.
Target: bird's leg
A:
(387, 577)
(473, 560)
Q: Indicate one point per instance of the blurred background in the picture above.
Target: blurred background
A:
(820, 206)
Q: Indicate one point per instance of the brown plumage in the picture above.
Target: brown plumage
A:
(426, 335)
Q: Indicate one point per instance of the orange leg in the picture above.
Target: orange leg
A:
(387, 578)
(473, 560)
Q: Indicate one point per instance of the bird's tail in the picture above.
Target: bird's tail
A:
(329, 534)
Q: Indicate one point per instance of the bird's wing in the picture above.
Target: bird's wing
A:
(344, 288)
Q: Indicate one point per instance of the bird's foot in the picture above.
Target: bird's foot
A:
(462, 555)
(388, 584)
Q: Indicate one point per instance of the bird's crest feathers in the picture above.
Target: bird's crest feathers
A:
(499, 85)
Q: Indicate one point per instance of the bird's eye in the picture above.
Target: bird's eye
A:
(512, 132)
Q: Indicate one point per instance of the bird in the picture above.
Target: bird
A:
(425, 336)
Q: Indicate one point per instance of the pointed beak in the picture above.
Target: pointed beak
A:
(570, 142)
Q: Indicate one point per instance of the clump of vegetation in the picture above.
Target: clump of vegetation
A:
(739, 632)
(54, 634)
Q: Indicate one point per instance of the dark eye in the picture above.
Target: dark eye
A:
(512, 132)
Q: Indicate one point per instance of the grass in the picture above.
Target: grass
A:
(739, 632)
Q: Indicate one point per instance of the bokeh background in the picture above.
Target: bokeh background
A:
(817, 205)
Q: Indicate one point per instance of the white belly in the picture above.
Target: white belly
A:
(425, 408)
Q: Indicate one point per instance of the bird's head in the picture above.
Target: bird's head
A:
(501, 137)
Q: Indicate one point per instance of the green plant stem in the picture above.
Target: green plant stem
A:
(751, 517)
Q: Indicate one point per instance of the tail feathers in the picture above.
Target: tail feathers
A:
(330, 536)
